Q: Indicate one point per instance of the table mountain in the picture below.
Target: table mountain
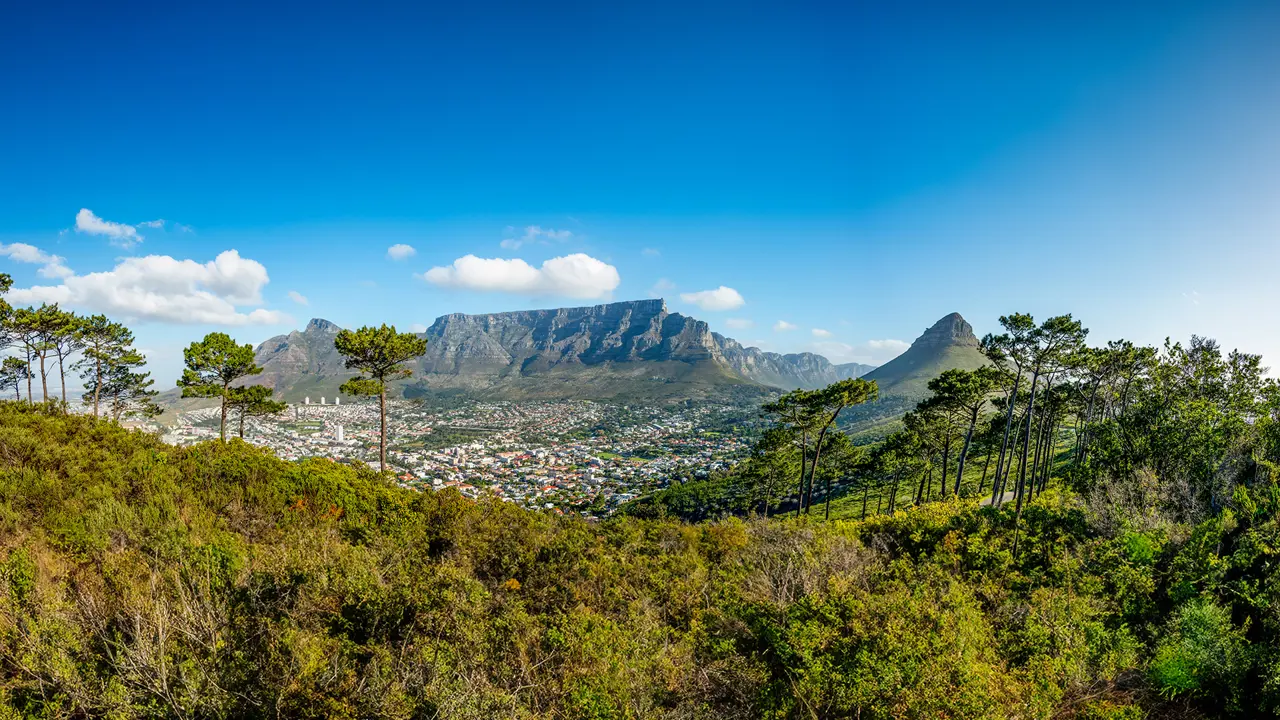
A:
(626, 349)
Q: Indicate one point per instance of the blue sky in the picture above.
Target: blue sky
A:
(855, 172)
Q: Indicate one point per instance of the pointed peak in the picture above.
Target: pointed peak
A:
(321, 325)
(952, 329)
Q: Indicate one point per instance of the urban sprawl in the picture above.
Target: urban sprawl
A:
(568, 456)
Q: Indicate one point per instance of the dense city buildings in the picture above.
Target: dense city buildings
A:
(576, 456)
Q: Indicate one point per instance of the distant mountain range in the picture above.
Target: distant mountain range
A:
(634, 350)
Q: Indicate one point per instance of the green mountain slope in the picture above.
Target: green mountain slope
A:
(903, 381)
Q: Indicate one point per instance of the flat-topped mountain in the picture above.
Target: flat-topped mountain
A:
(624, 349)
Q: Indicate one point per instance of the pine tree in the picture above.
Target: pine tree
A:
(379, 354)
(212, 365)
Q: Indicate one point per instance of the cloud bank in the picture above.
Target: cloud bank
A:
(574, 276)
(164, 289)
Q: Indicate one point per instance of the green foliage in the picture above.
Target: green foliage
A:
(139, 579)
(212, 364)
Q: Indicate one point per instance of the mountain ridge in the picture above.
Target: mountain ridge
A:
(629, 348)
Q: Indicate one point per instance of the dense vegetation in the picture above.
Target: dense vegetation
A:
(1121, 562)
(139, 579)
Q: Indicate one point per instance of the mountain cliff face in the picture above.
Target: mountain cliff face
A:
(795, 370)
(302, 358)
(534, 341)
(632, 349)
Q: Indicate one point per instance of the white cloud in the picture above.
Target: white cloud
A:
(894, 347)
(740, 323)
(53, 266)
(872, 352)
(783, 326)
(662, 287)
(298, 297)
(400, 251)
(820, 333)
(651, 252)
(126, 236)
(532, 234)
(161, 288)
(576, 276)
(151, 224)
(417, 328)
(722, 298)
(183, 228)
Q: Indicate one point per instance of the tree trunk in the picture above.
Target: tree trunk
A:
(1022, 466)
(964, 452)
(62, 375)
(1051, 444)
(996, 486)
(804, 458)
(222, 428)
(382, 437)
(97, 383)
(986, 465)
(242, 424)
(44, 379)
(813, 469)
(1034, 470)
(942, 476)
(866, 490)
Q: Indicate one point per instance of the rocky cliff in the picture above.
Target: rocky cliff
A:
(633, 349)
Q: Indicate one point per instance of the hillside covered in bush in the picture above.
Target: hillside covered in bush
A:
(144, 580)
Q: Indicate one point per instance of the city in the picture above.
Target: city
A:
(565, 456)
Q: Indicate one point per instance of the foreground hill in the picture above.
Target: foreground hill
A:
(635, 349)
(216, 581)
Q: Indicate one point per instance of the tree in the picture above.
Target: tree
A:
(793, 412)
(64, 340)
(773, 459)
(379, 355)
(128, 393)
(212, 365)
(1008, 351)
(964, 393)
(104, 344)
(825, 406)
(45, 324)
(25, 331)
(253, 401)
(12, 373)
(1050, 349)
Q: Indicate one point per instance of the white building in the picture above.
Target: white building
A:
(340, 437)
